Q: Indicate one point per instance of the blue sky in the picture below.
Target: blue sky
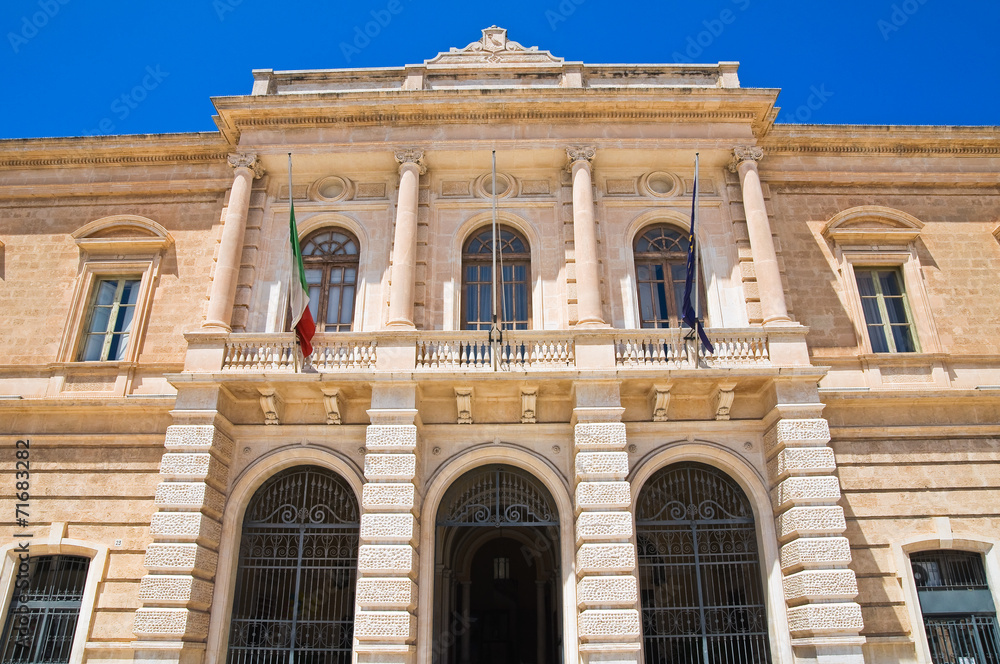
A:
(75, 67)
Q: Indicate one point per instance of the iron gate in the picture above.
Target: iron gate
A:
(497, 496)
(294, 600)
(699, 570)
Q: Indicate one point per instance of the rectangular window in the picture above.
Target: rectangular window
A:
(109, 319)
(42, 617)
(887, 314)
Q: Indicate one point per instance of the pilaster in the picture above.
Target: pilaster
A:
(607, 586)
(384, 623)
(176, 592)
(823, 619)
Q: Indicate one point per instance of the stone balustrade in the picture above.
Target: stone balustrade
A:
(521, 350)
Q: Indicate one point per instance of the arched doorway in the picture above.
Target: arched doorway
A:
(699, 570)
(497, 584)
(294, 599)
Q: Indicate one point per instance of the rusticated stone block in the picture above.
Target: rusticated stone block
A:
(605, 558)
(391, 437)
(599, 436)
(384, 626)
(392, 593)
(602, 465)
(183, 466)
(396, 497)
(815, 552)
(388, 467)
(799, 490)
(201, 438)
(609, 624)
(805, 521)
(154, 622)
(603, 495)
(603, 526)
(802, 461)
(597, 591)
(792, 432)
(820, 584)
(386, 559)
(181, 558)
(388, 528)
(825, 619)
(186, 526)
(189, 495)
(175, 589)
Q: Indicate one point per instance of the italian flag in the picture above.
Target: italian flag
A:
(298, 291)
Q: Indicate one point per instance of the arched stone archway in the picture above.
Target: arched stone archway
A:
(497, 591)
(700, 582)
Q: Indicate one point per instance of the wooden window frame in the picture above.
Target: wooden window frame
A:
(665, 259)
(520, 259)
(327, 263)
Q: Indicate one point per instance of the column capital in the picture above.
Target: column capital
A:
(247, 160)
(411, 156)
(580, 153)
(742, 153)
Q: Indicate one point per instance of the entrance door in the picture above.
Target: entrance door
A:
(497, 598)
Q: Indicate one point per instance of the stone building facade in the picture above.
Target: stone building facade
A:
(592, 487)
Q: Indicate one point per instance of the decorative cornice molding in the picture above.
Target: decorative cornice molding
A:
(743, 153)
(886, 149)
(411, 156)
(248, 161)
(111, 160)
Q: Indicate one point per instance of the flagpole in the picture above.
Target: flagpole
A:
(495, 296)
(299, 359)
(697, 299)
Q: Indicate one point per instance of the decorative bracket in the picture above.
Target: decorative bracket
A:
(271, 404)
(659, 395)
(463, 400)
(529, 396)
(724, 395)
(331, 401)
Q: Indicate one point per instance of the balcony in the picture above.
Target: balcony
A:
(427, 352)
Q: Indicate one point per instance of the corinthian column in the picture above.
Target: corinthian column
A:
(227, 268)
(404, 251)
(765, 262)
(588, 282)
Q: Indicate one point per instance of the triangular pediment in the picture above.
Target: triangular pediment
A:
(493, 48)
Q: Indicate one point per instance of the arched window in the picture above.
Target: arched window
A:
(331, 259)
(297, 570)
(513, 289)
(660, 270)
(699, 569)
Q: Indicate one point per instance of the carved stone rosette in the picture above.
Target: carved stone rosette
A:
(246, 160)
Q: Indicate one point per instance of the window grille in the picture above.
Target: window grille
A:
(294, 598)
(699, 570)
(42, 618)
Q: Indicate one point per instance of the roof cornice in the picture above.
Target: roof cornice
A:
(143, 149)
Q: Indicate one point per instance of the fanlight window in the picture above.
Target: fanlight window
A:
(331, 258)
(497, 496)
(699, 570)
(513, 288)
(294, 598)
(660, 271)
